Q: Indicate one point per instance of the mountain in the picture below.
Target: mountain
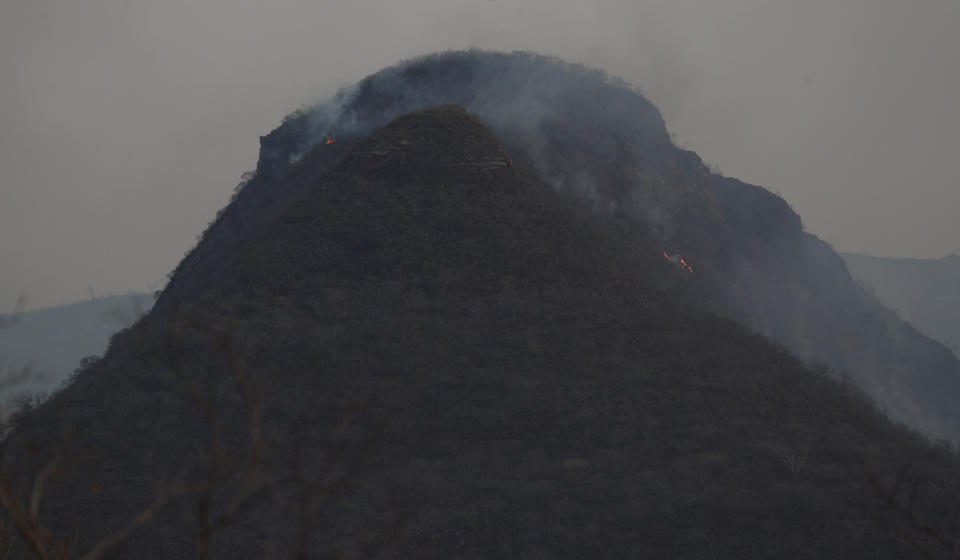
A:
(414, 342)
(925, 292)
(50, 342)
(791, 286)
(596, 140)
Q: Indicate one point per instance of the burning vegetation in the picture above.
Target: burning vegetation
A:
(677, 259)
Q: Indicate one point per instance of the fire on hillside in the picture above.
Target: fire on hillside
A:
(677, 259)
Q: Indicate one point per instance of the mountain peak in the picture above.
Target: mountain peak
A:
(446, 142)
(420, 345)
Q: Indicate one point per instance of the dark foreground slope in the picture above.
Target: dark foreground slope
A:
(925, 292)
(601, 143)
(445, 361)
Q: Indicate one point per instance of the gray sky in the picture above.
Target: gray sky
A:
(126, 124)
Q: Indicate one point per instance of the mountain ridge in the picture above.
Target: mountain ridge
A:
(922, 291)
(50, 342)
(505, 385)
(601, 143)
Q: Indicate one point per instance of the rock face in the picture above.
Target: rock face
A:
(421, 351)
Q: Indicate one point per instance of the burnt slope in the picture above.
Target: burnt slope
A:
(604, 145)
(452, 364)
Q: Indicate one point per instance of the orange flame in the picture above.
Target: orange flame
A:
(330, 140)
(678, 260)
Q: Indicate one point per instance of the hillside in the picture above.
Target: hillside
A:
(602, 144)
(925, 292)
(427, 353)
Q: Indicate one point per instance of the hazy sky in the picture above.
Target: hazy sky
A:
(126, 124)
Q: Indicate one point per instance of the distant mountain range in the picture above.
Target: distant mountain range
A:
(925, 292)
(51, 342)
(480, 306)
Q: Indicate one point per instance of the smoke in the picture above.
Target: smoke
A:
(587, 133)
(793, 288)
(604, 144)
